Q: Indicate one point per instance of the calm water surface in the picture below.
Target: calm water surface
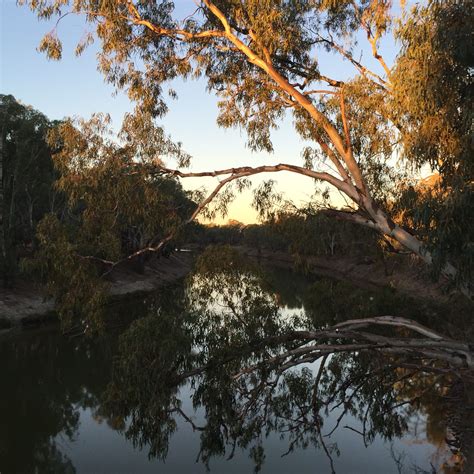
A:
(93, 405)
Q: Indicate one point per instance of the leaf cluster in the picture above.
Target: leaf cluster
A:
(118, 202)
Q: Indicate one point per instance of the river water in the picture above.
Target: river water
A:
(128, 401)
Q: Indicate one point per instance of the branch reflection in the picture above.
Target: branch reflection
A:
(254, 367)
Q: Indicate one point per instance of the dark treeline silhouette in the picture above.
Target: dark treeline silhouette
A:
(27, 192)
(298, 233)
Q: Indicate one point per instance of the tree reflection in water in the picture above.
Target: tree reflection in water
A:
(46, 380)
(235, 338)
(255, 369)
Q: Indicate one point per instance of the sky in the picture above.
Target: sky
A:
(74, 87)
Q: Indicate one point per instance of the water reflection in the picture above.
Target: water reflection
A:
(203, 371)
(45, 380)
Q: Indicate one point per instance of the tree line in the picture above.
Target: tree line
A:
(92, 206)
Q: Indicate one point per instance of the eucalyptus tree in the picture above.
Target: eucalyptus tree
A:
(115, 211)
(262, 58)
(27, 175)
(434, 99)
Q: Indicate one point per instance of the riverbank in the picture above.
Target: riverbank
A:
(404, 274)
(26, 305)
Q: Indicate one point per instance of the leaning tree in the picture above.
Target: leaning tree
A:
(262, 59)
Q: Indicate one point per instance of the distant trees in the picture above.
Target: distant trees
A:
(302, 233)
(27, 175)
(310, 232)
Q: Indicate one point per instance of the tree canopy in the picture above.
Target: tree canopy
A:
(262, 59)
(26, 175)
(433, 95)
(116, 210)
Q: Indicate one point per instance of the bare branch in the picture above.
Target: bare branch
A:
(392, 321)
(355, 217)
(320, 91)
(344, 186)
(367, 73)
(345, 124)
(178, 33)
(373, 39)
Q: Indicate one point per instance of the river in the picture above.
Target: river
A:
(135, 400)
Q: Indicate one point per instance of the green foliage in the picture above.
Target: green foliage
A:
(51, 45)
(313, 233)
(433, 96)
(117, 204)
(433, 86)
(27, 177)
(114, 189)
(442, 216)
(73, 282)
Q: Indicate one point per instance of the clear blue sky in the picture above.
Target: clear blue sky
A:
(73, 87)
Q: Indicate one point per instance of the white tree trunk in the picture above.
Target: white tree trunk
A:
(386, 226)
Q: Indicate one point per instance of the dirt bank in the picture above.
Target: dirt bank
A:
(404, 275)
(25, 305)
